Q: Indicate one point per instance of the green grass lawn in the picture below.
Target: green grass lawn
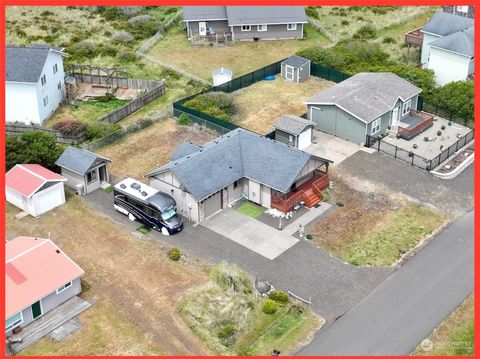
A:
(454, 336)
(227, 316)
(403, 230)
(251, 209)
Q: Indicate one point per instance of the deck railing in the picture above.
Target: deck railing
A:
(414, 37)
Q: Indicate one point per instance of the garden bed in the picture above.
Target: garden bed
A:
(456, 161)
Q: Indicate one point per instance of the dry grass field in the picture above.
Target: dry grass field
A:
(259, 105)
(130, 281)
(143, 151)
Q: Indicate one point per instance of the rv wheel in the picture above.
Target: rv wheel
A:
(131, 217)
(165, 231)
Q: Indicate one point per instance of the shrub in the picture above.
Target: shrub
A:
(71, 127)
(326, 194)
(309, 237)
(100, 129)
(105, 98)
(389, 40)
(184, 120)
(20, 33)
(279, 297)
(129, 10)
(174, 254)
(311, 12)
(441, 147)
(439, 133)
(217, 104)
(122, 37)
(140, 20)
(250, 305)
(269, 306)
(127, 56)
(443, 127)
(227, 331)
(415, 145)
(46, 13)
(84, 49)
(345, 22)
(366, 32)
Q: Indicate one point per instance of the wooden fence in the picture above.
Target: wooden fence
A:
(121, 82)
(14, 130)
(134, 105)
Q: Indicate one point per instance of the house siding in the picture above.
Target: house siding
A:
(427, 38)
(274, 32)
(220, 27)
(21, 103)
(72, 178)
(384, 123)
(449, 66)
(335, 121)
(51, 301)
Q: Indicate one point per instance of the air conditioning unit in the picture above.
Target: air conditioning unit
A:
(79, 189)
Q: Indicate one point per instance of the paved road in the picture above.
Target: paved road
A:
(335, 287)
(408, 305)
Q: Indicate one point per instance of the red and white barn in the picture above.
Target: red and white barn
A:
(34, 189)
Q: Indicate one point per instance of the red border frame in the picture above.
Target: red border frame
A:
(213, 2)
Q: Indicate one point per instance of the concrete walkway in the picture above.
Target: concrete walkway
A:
(308, 217)
(250, 233)
(410, 304)
(48, 322)
(331, 147)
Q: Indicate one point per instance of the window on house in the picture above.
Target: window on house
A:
(63, 287)
(14, 321)
(92, 176)
(291, 26)
(406, 107)
(246, 27)
(237, 183)
(376, 126)
(43, 80)
(45, 101)
(55, 69)
(463, 9)
(262, 27)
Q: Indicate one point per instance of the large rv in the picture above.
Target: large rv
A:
(147, 205)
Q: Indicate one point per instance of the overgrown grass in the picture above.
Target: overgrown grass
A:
(455, 335)
(250, 209)
(227, 316)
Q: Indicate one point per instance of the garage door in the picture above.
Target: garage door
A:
(50, 198)
(213, 204)
(305, 139)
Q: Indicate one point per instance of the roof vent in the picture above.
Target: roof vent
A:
(189, 157)
(123, 186)
(230, 167)
(58, 251)
(135, 185)
(144, 193)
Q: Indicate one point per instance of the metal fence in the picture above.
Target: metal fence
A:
(414, 159)
(441, 111)
(328, 73)
(15, 130)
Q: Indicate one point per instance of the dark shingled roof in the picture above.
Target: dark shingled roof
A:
(196, 13)
(185, 149)
(444, 24)
(367, 95)
(239, 153)
(460, 42)
(25, 63)
(291, 124)
(78, 160)
(253, 15)
(295, 61)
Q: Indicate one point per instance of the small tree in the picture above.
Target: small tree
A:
(456, 98)
(279, 297)
(269, 307)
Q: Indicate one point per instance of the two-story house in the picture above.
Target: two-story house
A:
(35, 83)
(366, 104)
(246, 22)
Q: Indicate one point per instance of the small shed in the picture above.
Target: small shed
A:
(86, 171)
(294, 131)
(34, 189)
(221, 75)
(295, 69)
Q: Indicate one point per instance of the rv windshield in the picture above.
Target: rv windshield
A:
(168, 214)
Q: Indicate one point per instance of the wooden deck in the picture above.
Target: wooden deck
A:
(48, 322)
(309, 192)
(424, 122)
(414, 37)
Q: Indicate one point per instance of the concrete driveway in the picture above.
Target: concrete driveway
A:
(250, 233)
(331, 147)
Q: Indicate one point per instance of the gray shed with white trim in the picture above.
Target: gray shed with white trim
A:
(295, 68)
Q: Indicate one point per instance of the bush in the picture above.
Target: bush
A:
(127, 56)
(71, 127)
(105, 98)
(184, 120)
(439, 133)
(279, 297)
(269, 306)
(227, 331)
(217, 104)
(443, 127)
(100, 129)
(456, 100)
(140, 20)
(415, 145)
(174, 254)
(311, 12)
(122, 37)
(326, 194)
(309, 237)
(84, 49)
(389, 40)
(345, 22)
(46, 13)
(366, 32)
(129, 10)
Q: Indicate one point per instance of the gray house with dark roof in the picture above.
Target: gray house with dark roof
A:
(34, 83)
(245, 22)
(368, 103)
(448, 47)
(241, 164)
(85, 171)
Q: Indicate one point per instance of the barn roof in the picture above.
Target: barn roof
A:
(27, 179)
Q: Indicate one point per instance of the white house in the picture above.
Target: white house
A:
(34, 189)
(35, 83)
(448, 47)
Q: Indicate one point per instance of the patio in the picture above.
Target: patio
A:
(429, 144)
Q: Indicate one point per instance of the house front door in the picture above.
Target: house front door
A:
(289, 72)
(202, 28)
(103, 174)
(395, 116)
(254, 194)
(36, 310)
